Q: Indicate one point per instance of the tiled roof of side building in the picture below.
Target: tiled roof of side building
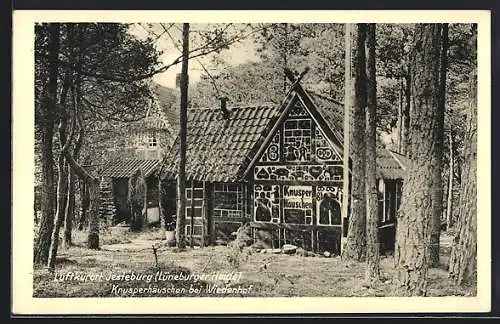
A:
(125, 168)
(218, 148)
(388, 166)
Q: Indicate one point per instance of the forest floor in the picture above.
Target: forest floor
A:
(196, 272)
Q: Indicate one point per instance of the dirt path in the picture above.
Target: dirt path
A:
(135, 245)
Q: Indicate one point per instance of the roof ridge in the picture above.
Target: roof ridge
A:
(314, 93)
(238, 106)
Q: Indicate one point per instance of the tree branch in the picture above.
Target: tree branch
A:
(197, 60)
(176, 61)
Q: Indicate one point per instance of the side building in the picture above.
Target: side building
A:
(141, 157)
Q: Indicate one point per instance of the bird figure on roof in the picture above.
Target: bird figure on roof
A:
(295, 76)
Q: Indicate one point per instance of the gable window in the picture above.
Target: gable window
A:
(297, 140)
(151, 140)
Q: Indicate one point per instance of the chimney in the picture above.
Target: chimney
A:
(178, 80)
(223, 106)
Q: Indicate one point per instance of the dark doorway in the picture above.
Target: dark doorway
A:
(120, 190)
(168, 203)
(152, 192)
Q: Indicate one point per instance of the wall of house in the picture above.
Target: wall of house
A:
(278, 212)
(389, 195)
(297, 185)
(150, 144)
(214, 211)
(107, 209)
(229, 210)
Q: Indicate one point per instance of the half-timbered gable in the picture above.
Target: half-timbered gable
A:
(297, 177)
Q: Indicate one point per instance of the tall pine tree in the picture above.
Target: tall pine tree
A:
(372, 242)
(438, 151)
(414, 219)
(181, 178)
(355, 247)
(463, 260)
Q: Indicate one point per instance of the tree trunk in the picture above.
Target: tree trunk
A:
(93, 236)
(413, 233)
(76, 96)
(449, 200)
(400, 118)
(437, 153)
(65, 131)
(463, 262)
(84, 205)
(70, 207)
(406, 114)
(284, 54)
(181, 179)
(93, 188)
(70, 210)
(348, 100)
(62, 190)
(372, 243)
(84, 198)
(161, 204)
(137, 195)
(355, 248)
(48, 109)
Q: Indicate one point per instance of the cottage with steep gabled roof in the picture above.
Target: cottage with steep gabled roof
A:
(278, 168)
(149, 138)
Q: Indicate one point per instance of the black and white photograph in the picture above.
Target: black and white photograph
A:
(233, 159)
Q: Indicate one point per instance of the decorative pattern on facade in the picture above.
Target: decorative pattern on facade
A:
(273, 152)
(316, 172)
(267, 203)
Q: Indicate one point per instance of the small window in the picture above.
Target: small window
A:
(151, 140)
(328, 210)
(381, 200)
(267, 203)
(228, 200)
(399, 193)
(390, 200)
